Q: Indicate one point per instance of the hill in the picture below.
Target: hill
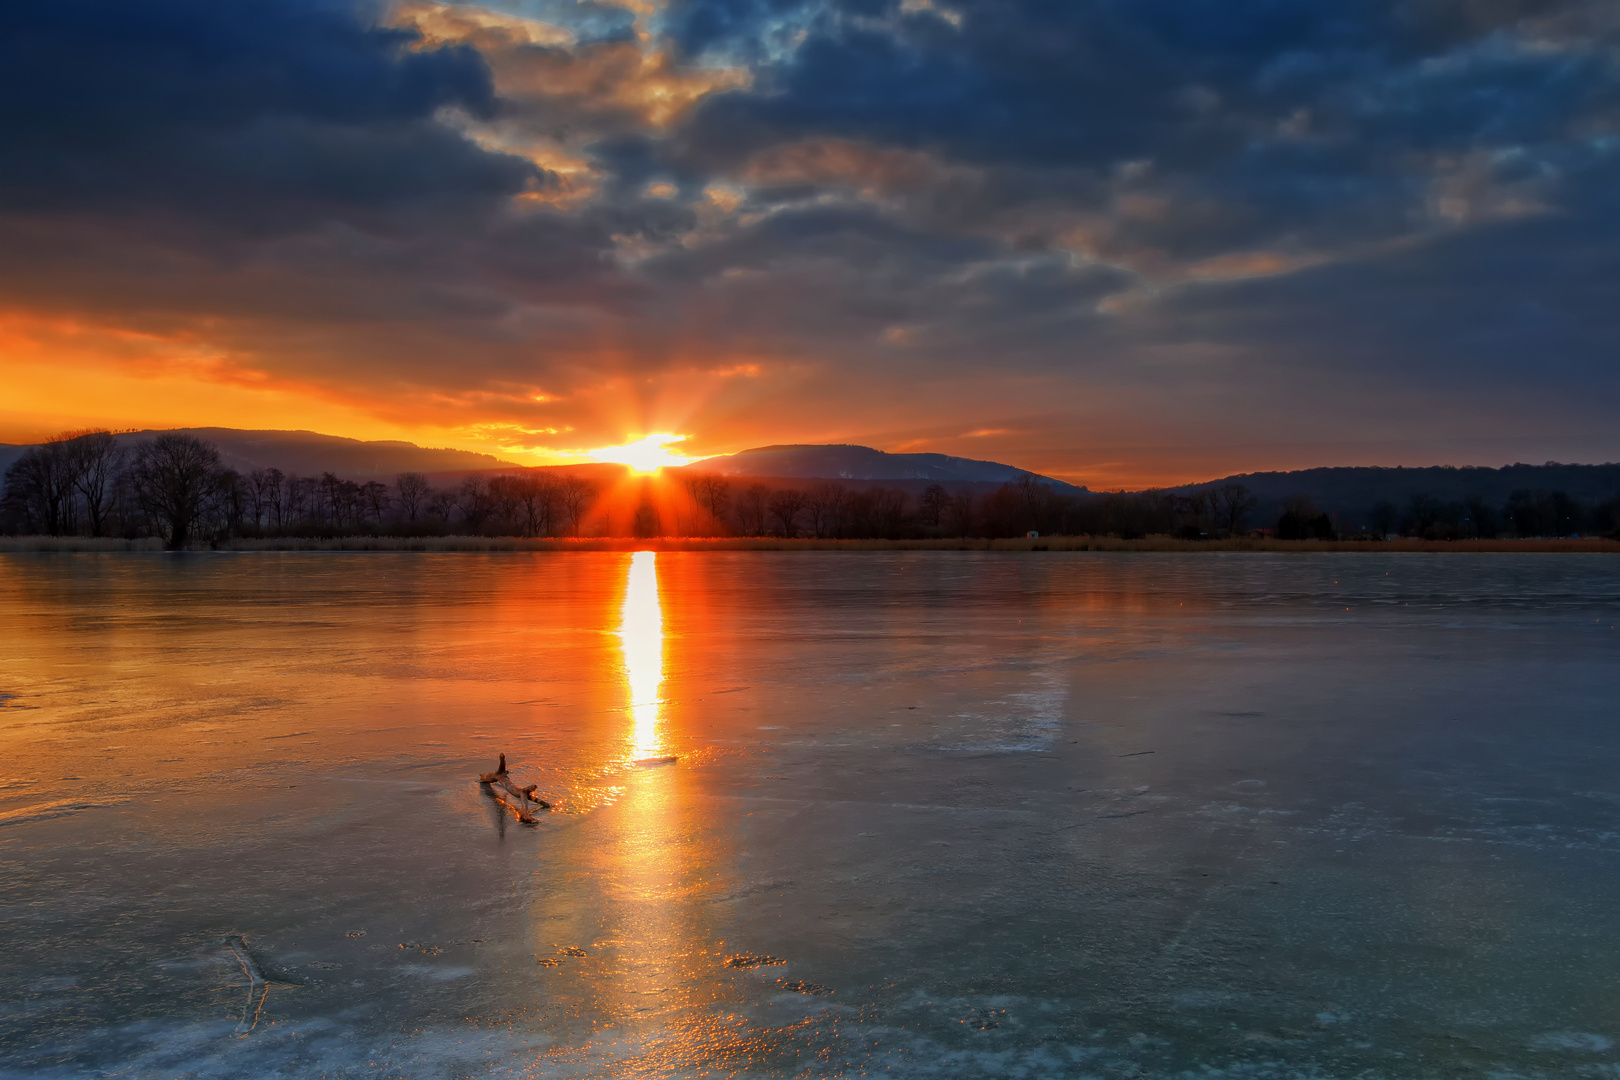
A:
(310, 453)
(1351, 492)
(843, 462)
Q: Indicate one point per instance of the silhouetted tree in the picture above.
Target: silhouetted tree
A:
(506, 502)
(475, 504)
(645, 524)
(931, 505)
(1232, 504)
(413, 489)
(959, 514)
(441, 506)
(1422, 514)
(226, 505)
(300, 499)
(538, 495)
(374, 500)
(264, 496)
(751, 510)
(94, 459)
(824, 505)
(172, 475)
(712, 493)
(1481, 517)
(1384, 517)
(785, 506)
(1301, 520)
(577, 493)
(40, 488)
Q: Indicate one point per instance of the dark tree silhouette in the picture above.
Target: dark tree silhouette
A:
(1384, 517)
(475, 504)
(785, 506)
(577, 493)
(751, 510)
(172, 475)
(825, 505)
(959, 514)
(413, 492)
(39, 485)
(94, 459)
(712, 493)
(1232, 505)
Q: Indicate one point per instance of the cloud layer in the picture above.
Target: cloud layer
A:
(1118, 240)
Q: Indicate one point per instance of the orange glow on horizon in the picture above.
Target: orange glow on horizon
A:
(645, 455)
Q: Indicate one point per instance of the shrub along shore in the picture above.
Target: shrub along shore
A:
(1592, 545)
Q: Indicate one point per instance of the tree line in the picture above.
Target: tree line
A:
(86, 483)
(827, 509)
(175, 487)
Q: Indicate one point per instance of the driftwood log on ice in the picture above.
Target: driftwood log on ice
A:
(524, 796)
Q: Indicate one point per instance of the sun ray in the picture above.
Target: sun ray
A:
(645, 455)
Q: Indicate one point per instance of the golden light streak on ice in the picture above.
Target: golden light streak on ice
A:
(641, 635)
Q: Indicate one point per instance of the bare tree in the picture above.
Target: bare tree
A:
(94, 458)
(785, 506)
(932, 505)
(475, 504)
(506, 501)
(538, 494)
(825, 505)
(712, 493)
(1233, 503)
(268, 485)
(413, 492)
(1384, 518)
(300, 498)
(441, 505)
(888, 512)
(751, 510)
(225, 505)
(645, 524)
(374, 500)
(959, 513)
(172, 475)
(41, 483)
(577, 493)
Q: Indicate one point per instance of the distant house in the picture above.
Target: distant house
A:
(1032, 535)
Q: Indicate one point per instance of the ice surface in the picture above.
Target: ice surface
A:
(934, 814)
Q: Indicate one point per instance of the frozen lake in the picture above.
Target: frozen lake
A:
(935, 814)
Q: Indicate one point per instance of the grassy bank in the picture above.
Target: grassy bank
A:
(734, 543)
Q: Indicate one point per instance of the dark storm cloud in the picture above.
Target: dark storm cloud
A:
(258, 114)
(1253, 118)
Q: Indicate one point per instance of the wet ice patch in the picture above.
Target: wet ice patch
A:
(1024, 722)
(436, 974)
(1571, 1041)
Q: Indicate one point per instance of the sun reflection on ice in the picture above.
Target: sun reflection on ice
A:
(641, 634)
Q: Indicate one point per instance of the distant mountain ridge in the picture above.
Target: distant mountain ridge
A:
(1352, 491)
(850, 462)
(311, 453)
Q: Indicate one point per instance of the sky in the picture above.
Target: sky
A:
(1121, 242)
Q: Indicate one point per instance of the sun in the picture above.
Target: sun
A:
(645, 455)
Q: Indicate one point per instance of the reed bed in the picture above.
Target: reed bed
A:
(77, 543)
(738, 543)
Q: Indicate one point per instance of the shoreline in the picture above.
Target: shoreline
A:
(1589, 545)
